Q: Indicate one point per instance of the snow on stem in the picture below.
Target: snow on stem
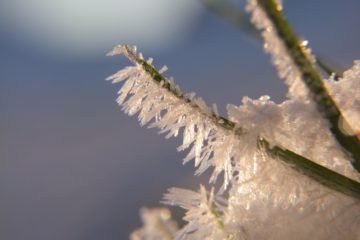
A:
(296, 65)
(230, 13)
(214, 140)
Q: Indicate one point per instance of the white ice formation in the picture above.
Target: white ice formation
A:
(261, 197)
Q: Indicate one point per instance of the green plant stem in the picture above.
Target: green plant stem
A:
(313, 81)
(163, 82)
(239, 19)
(311, 169)
(216, 215)
(315, 171)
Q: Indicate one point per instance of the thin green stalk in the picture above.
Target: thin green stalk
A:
(313, 81)
(216, 215)
(311, 169)
(163, 82)
(239, 19)
(315, 171)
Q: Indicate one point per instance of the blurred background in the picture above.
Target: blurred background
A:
(72, 165)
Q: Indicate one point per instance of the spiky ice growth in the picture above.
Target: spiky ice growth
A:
(264, 194)
(293, 125)
(212, 141)
(268, 199)
(273, 45)
(265, 208)
(203, 213)
(279, 203)
(158, 225)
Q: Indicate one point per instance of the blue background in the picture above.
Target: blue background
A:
(73, 166)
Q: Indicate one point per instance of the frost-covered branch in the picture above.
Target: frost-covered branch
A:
(282, 164)
(214, 140)
(315, 171)
(172, 88)
(239, 19)
(296, 64)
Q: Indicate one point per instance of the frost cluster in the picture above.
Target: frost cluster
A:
(210, 145)
(273, 45)
(203, 211)
(346, 93)
(260, 197)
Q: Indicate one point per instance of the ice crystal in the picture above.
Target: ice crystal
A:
(346, 93)
(209, 144)
(280, 203)
(293, 125)
(264, 194)
(203, 213)
(280, 58)
(158, 225)
(270, 200)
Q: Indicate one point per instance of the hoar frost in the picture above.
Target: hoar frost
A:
(203, 213)
(346, 93)
(273, 45)
(261, 197)
(209, 144)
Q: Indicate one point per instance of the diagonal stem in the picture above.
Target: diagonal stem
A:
(320, 174)
(313, 81)
(239, 19)
(315, 171)
(160, 79)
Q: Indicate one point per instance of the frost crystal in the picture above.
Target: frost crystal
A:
(266, 198)
(346, 93)
(277, 202)
(158, 225)
(273, 45)
(294, 125)
(210, 145)
(203, 213)
(268, 195)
